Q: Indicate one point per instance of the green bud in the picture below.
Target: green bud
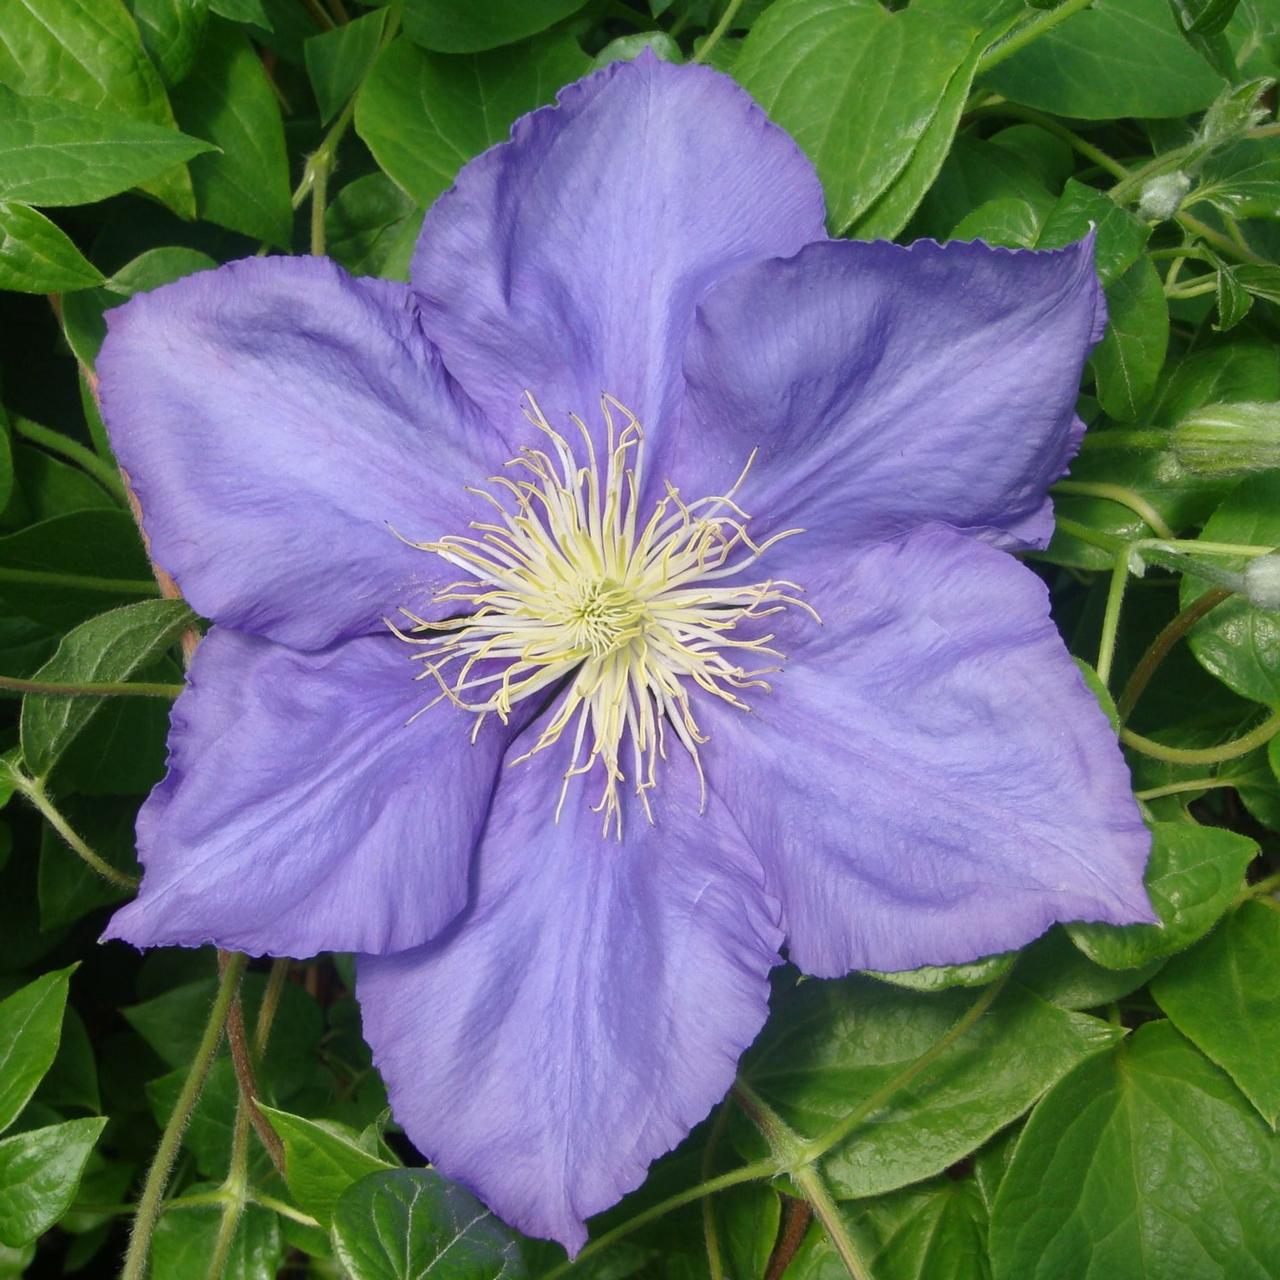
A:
(1222, 438)
(1162, 197)
(1262, 581)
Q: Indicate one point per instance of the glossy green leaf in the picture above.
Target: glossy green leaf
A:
(1081, 209)
(446, 27)
(250, 12)
(883, 77)
(184, 1243)
(1223, 996)
(1116, 58)
(39, 1173)
(976, 172)
(834, 1043)
(937, 1229)
(1128, 361)
(1242, 369)
(404, 1224)
(73, 566)
(228, 100)
(57, 153)
(1059, 972)
(322, 1159)
(38, 257)
(171, 32)
(943, 977)
(30, 1030)
(424, 115)
(1237, 642)
(110, 648)
(1144, 1163)
(89, 52)
(1194, 874)
(338, 60)
(1007, 221)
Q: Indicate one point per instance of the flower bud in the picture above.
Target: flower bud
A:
(1162, 197)
(1262, 581)
(1222, 438)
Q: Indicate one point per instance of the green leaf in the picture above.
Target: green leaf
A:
(923, 1233)
(72, 566)
(57, 153)
(1080, 209)
(833, 1043)
(30, 1029)
(72, 1081)
(1205, 17)
(1223, 996)
(447, 27)
(39, 1173)
(942, 977)
(249, 12)
(1007, 221)
(184, 1242)
(1117, 58)
(405, 1223)
(1145, 1163)
(1194, 874)
(338, 60)
(1239, 370)
(1059, 972)
(171, 32)
(322, 1159)
(1234, 301)
(372, 226)
(892, 209)
(228, 99)
(624, 48)
(1238, 643)
(38, 257)
(424, 115)
(1128, 361)
(883, 78)
(975, 172)
(89, 52)
(107, 649)
(748, 1217)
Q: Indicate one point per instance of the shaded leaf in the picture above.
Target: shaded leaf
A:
(30, 1030)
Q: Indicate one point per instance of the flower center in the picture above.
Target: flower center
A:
(616, 623)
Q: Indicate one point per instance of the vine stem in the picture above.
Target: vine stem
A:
(140, 689)
(1205, 755)
(717, 32)
(1111, 619)
(1082, 146)
(1163, 644)
(788, 1146)
(1032, 30)
(34, 791)
(1120, 494)
(105, 474)
(150, 1202)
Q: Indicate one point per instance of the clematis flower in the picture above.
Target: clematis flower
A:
(621, 602)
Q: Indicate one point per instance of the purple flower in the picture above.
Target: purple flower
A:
(606, 761)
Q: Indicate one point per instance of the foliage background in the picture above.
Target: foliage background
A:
(1102, 1105)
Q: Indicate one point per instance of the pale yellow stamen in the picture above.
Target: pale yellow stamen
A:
(567, 587)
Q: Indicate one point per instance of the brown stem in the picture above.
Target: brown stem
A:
(795, 1225)
(242, 1061)
(1161, 646)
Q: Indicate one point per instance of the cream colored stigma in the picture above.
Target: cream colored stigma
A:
(617, 622)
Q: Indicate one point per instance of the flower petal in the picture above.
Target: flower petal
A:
(301, 813)
(569, 260)
(588, 1009)
(277, 419)
(887, 387)
(930, 781)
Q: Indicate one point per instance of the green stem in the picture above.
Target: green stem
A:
(1123, 438)
(786, 1146)
(34, 791)
(55, 442)
(1082, 146)
(735, 1177)
(236, 1185)
(140, 689)
(1031, 30)
(149, 1205)
(1162, 645)
(713, 39)
(1094, 537)
(1206, 755)
(1268, 884)
(843, 1128)
(283, 1208)
(321, 164)
(710, 1234)
(1111, 619)
(1118, 493)
(1177, 788)
(1224, 244)
(78, 581)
